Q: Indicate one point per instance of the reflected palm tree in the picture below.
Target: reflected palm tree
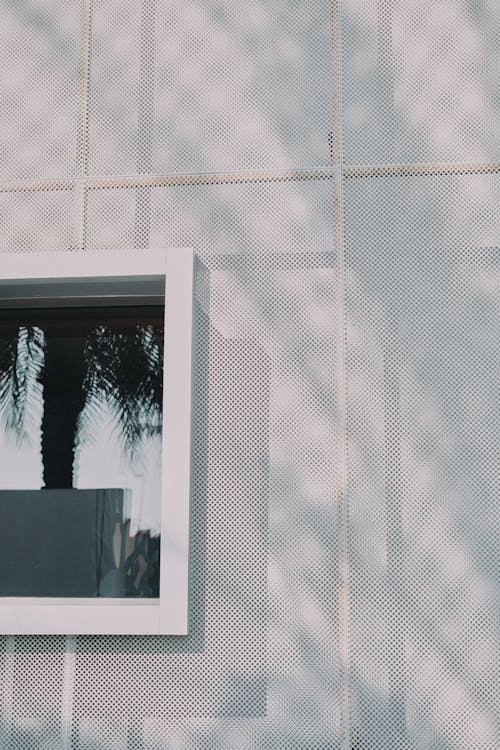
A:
(76, 365)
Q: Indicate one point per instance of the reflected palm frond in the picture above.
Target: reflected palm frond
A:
(22, 352)
(125, 372)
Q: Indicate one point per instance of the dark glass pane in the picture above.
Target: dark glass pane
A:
(80, 450)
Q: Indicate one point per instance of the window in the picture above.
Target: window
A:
(95, 392)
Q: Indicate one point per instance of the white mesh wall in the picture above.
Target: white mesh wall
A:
(333, 165)
(267, 64)
(421, 81)
(422, 356)
(39, 91)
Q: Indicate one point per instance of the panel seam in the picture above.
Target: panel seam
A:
(163, 180)
(341, 389)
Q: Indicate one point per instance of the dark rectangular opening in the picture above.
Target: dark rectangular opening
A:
(63, 368)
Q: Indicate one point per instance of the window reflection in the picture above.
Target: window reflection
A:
(80, 451)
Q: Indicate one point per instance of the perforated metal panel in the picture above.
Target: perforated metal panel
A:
(422, 356)
(421, 81)
(344, 564)
(250, 86)
(39, 59)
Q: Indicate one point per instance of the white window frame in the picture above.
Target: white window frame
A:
(169, 613)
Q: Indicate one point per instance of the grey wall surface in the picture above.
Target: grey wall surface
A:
(334, 165)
